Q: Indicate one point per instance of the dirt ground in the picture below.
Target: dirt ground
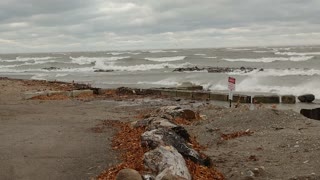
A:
(63, 139)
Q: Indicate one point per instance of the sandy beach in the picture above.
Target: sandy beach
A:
(63, 139)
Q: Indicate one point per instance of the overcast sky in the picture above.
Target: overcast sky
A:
(86, 25)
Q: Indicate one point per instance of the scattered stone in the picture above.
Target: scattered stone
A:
(51, 68)
(308, 98)
(103, 70)
(128, 174)
(216, 69)
(125, 91)
(176, 111)
(167, 162)
(151, 123)
(311, 113)
(195, 68)
(306, 177)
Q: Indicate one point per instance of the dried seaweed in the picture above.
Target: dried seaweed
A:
(127, 140)
(202, 172)
(236, 134)
(52, 97)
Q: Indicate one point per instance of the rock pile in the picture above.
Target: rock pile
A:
(169, 144)
(216, 69)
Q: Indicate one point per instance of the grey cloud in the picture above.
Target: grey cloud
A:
(51, 25)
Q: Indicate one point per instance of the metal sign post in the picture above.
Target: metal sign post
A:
(231, 87)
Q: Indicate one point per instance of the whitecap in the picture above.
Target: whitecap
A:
(297, 54)
(213, 57)
(166, 59)
(161, 51)
(24, 59)
(254, 84)
(272, 59)
(39, 76)
(164, 82)
(82, 60)
(278, 72)
(141, 67)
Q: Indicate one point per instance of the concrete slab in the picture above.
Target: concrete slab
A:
(184, 94)
(29, 95)
(241, 98)
(288, 99)
(65, 93)
(200, 95)
(267, 99)
(169, 93)
(218, 97)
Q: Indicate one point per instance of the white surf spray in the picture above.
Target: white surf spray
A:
(166, 59)
(272, 59)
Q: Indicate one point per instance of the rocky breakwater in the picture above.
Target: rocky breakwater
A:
(170, 146)
(217, 69)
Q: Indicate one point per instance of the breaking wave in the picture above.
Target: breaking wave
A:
(164, 82)
(297, 54)
(272, 59)
(213, 57)
(279, 72)
(92, 60)
(166, 59)
(24, 59)
(254, 84)
(161, 51)
(141, 67)
(121, 53)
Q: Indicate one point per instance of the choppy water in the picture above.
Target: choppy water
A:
(287, 70)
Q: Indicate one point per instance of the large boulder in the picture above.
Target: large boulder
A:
(128, 174)
(311, 113)
(308, 98)
(154, 123)
(176, 111)
(166, 162)
(167, 137)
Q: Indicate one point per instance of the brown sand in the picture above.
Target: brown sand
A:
(64, 139)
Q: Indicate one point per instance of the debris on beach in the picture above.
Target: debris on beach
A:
(161, 148)
(236, 134)
(52, 97)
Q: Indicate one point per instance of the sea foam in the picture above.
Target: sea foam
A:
(297, 53)
(254, 84)
(278, 72)
(272, 59)
(166, 59)
(82, 60)
(141, 67)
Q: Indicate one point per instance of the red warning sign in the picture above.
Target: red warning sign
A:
(232, 84)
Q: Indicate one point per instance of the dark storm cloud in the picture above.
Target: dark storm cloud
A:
(54, 25)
